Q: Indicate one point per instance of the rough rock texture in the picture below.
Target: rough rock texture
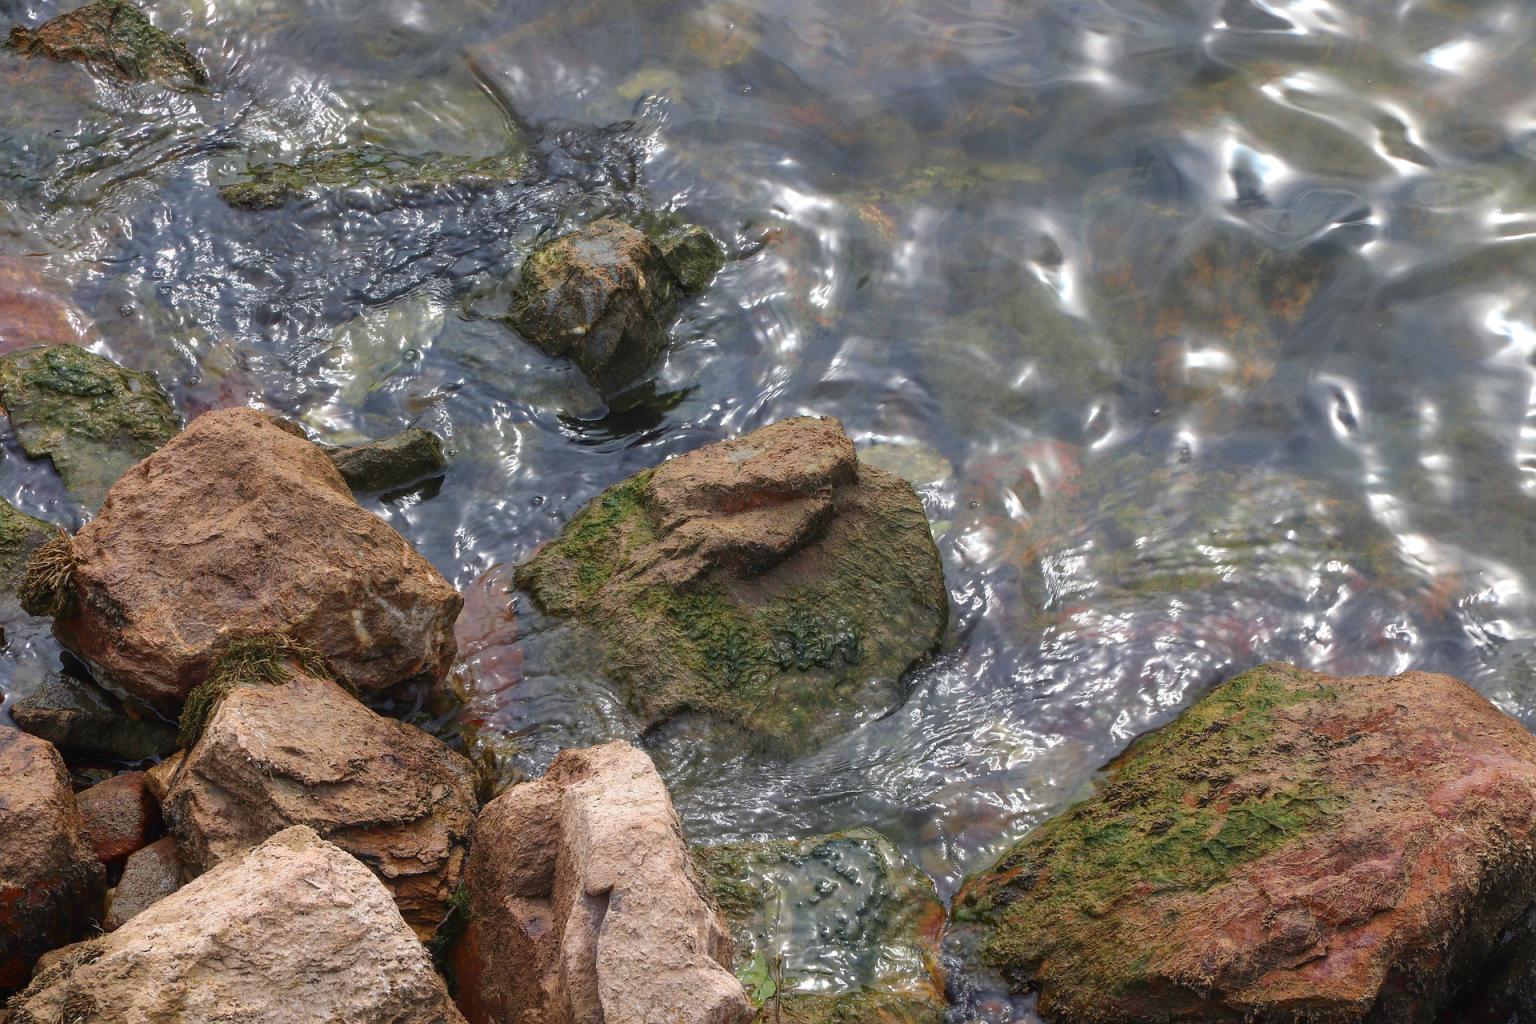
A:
(857, 923)
(234, 529)
(1293, 847)
(150, 875)
(305, 752)
(51, 884)
(693, 256)
(297, 931)
(602, 296)
(584, 905)
(389, 462)
(772, 580)
(119, 816)
(396, 175)
(116, 38)
(79, 717)
(90, 416)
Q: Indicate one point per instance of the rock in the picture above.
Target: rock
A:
(693, 256)
(396, 175)
(390, 462)
(238, 529)
(115, 38)
(51, 884)
(305, 752)
(602, 296)
(858, 924)
(584, 905)
(33, 312)
(1294, 846)
(773, 581)
(119, 816)
(80, 717)
(157, 780)
(296, 931)
(150, 875)
(20, 535)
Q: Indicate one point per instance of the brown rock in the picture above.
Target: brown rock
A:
(33, 312)
(238, 528)
(150, 875)
(119, 815)
(585, 905)
(307, 753)
(295, 932)
(51, 885)
(157, 780)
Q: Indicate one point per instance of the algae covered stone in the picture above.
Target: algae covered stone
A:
(397, 175)
(114, 37)
(20, 536)
(1294, 846)
(771, 581)
(693, 256)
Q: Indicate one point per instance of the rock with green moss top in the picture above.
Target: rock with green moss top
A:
(856, 924)
(115, 38)
(693, 256)
(395, 174)
(772, 581)
(1294, 846)
(20, 535)
(90, 416)
(395, 461)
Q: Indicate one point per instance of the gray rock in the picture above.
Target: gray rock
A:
(80, 717)
(390, 462)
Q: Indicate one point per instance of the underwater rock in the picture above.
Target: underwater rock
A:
(20, 535)
(31, 311)
(238, 529)
(150, 875)
(860, 927)
(584, 905)
(602, 296)
(394, 174)
(115, 38)
(295, 931)
(81, 718)
(390, 462)
(693, 256)
(90, 416)
(773, 581)
(1293, 846)
(119, 816)
(51, 884)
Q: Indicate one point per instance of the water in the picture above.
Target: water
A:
(1206, 328)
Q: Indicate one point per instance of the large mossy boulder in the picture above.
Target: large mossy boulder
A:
(115, 38)
(1293, 847)
(91, 417)
(772, 581)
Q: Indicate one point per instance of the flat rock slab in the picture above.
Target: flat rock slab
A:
(395, 461)
(296, 931)
(1293, 847)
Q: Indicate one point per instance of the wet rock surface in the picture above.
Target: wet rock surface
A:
(32, 310)
(399, 176)
(237, 529)
(1294, 846)
(584, 904)
(772, 581)
(150, 875)
(693, 256)
(20, 535)
(297, 930)
(115, 38)
(119, 816)
(395, 461)
(79, 717)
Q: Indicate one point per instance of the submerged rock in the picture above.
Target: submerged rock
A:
(296, 931)
(390, 462)
(1294, 846)
(302, 751)
(239, 529)
(51, 884)
(693, 256)
(115, 38)
(80, 717)
(150, 875)
(32, 311)
(90, 416)
(398, 175)
(584, 905)
(773, 581)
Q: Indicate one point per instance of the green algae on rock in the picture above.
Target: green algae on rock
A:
(771, 581)
(1293, 846)
(277, 184)
(693, 256)
(20, 535)
(90, 416)
(115, 37)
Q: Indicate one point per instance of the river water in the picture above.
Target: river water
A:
(1204, 327)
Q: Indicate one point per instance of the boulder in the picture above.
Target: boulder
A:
(1293, 847)
(90, 416)
(81, 718)
(115, 38)
(773, 581)
(584, 905)
(394, 175)
(305, 752)
(238, 529)
(295, 931)
(150, 875)
(51, 884)
(390, 462)
(118, 816)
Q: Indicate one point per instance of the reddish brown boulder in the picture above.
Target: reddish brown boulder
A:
(51, 884)
(119, 815)
(238, 528)
(150, 875)
(585, 905)
(1293, 847)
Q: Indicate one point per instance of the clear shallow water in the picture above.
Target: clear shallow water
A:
(1206, 328)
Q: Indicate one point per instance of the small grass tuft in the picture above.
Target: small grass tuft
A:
(47, 582)
(248, 661)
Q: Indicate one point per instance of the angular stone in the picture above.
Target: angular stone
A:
(79, 717)
(390, 462)
(295, 931)
(238, 529)
(114, 37)
(51, 884)
(150, 875)
(305, 752)
(584, 905)
(1293, 846)
(119, 816)
(693, 256)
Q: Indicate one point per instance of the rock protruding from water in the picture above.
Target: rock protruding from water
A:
(91, 417)
(305, 752)
(390, 462)
(115, 38)
(584, 905)
(238, 529)
(1294, 846)
(295, 931)
(51, 884)
(773, 581)
(79, 717)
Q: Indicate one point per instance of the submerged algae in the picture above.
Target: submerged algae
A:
(277, 184)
